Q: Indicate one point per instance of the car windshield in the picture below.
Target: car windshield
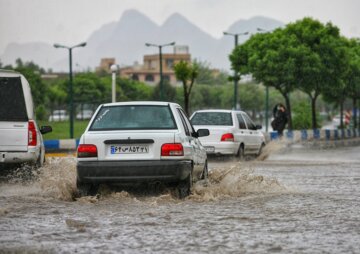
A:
(212, 118)
(133, 117)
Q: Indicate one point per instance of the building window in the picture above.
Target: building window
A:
(135, 77)
(166, 78)
(149, 77)
(169, 63)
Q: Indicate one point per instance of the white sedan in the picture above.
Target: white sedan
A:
(232, 132)
(140, 142)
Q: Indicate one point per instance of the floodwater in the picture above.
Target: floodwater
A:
(296, 200)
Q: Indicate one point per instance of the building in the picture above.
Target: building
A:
(149, 72)
(105, 65)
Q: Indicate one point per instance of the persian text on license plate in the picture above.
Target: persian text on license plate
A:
(209, 149)
(129, 149)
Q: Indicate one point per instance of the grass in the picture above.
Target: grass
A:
(61, 130)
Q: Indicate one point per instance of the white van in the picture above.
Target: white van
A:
(20, 138)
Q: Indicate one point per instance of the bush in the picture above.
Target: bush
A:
(41, 112)
(302, 117)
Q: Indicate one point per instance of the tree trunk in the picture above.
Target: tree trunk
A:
(186, 99)
(313, 112)
(288, 107)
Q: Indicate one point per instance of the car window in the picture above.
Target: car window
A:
(187, 131)
(241, 120)
(133, 117)
(249, 122)
(212, 118)
(191, 128)
(12, 100)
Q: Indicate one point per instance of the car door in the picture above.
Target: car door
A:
(243, 133)
(194, 142)
(254, 133)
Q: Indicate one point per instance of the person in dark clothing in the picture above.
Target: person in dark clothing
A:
(280, 119)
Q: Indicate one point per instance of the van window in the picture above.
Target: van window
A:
(12, 101)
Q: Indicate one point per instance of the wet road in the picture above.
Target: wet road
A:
(296, 201)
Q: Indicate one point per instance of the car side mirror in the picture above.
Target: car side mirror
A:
(258, 126)
(203, 132)
(45, 129)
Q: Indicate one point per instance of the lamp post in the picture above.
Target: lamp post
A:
(236, 78)
(113, 69)
(71, 93)
(160, 59)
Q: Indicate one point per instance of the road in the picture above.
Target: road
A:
(297, 200)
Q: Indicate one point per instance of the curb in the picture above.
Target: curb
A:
(61, 144)
(315, 135)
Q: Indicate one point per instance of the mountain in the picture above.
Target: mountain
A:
(125, 40)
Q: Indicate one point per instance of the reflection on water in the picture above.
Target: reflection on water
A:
(274, 205)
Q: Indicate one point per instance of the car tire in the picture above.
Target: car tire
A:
(86, 189)
(205, 173)
(261, 149)
(241, 153)
(40, 161)
(184, 187)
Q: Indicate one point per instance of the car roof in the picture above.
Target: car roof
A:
(156, 103)
(9, 73)
(218, 110)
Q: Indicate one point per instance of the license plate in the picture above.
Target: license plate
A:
(129, 149)
(210, 149)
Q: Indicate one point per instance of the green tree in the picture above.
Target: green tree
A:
(169, 92)
(353, 77)
(131, 90)
(209, 76)
(320, 63)
(340, 87)
(271, 58)
(186, 73)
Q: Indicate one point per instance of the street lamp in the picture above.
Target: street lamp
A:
(160, 58)
(71, 101)
(236, 78)
(113, 69)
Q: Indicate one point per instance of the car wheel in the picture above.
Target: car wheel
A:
(184, 187)
(241, 152)
(261, 149)
(86, 189)
(40, 161)
(205, 172)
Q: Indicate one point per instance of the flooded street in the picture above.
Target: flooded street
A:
(298, 200)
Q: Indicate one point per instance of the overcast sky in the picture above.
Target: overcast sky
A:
(72, 21)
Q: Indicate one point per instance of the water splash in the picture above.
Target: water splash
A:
(58, 178)
(234, 181)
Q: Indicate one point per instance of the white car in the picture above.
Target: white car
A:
(58, 115)
(20, 138)
(231, 132)
(140, 142)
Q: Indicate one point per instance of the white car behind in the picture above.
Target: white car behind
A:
(232, 132)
